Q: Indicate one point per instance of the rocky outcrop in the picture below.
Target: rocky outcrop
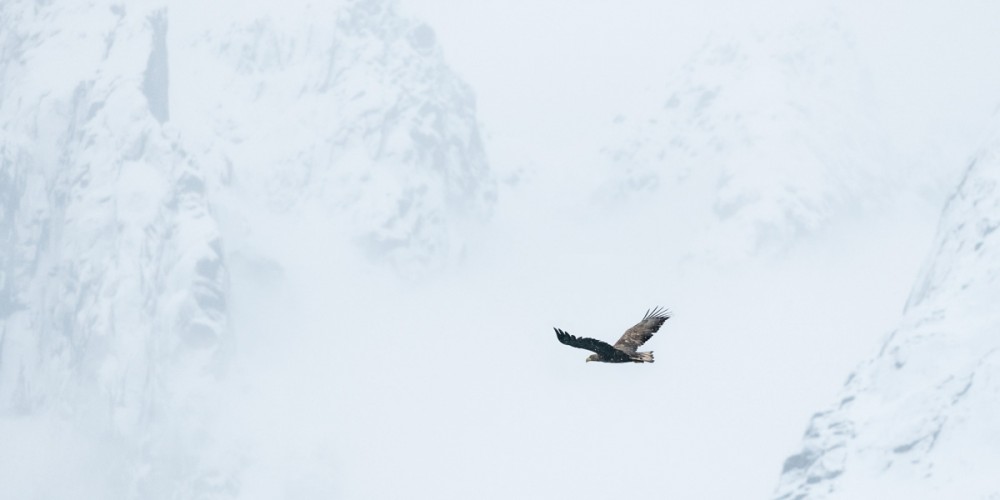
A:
(919, 419)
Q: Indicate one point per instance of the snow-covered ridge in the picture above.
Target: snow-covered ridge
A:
(113, 271)
(919, 420)
(132, 134)
(346, 104)
(768, 134)
(110, 236)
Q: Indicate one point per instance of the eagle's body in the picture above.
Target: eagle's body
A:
(625, 350)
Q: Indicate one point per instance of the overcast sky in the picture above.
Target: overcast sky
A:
(571, 69)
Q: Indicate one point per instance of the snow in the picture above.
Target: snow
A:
(917, 419)
(317, 249)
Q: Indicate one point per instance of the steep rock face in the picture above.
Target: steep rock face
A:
(129, 129)
(764, 136)
(919, 420)
(342, 104)
(112, 259)
(112, 272)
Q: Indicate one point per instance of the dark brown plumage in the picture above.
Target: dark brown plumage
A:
(625, 350)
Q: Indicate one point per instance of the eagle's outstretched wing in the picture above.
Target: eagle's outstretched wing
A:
(603, 349)
(642, 331)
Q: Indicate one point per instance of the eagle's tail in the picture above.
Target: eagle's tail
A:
(643, 357)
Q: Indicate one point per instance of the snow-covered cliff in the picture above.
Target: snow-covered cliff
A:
(343, 104)
(920, 419)
(113, 274)
(761, 136)
(135, 137)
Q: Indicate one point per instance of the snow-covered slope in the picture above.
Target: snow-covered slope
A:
(920, 419)
(136, 138)
(759, 137)
(113, 279)
(342, 104)
(111, 255)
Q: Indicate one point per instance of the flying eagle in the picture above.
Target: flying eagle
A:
(624, 351)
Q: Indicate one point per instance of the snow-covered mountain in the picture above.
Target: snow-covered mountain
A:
(762, 136)
(111, 253)
(342, 104)
(206, 208)
(113, 274)
(919, 419)
(136, 137)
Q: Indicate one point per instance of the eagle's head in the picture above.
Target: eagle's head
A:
(593, 357)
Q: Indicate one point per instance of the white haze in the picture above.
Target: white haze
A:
(570, 70)
(347, 380)
(349, 383)
(455, 388)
